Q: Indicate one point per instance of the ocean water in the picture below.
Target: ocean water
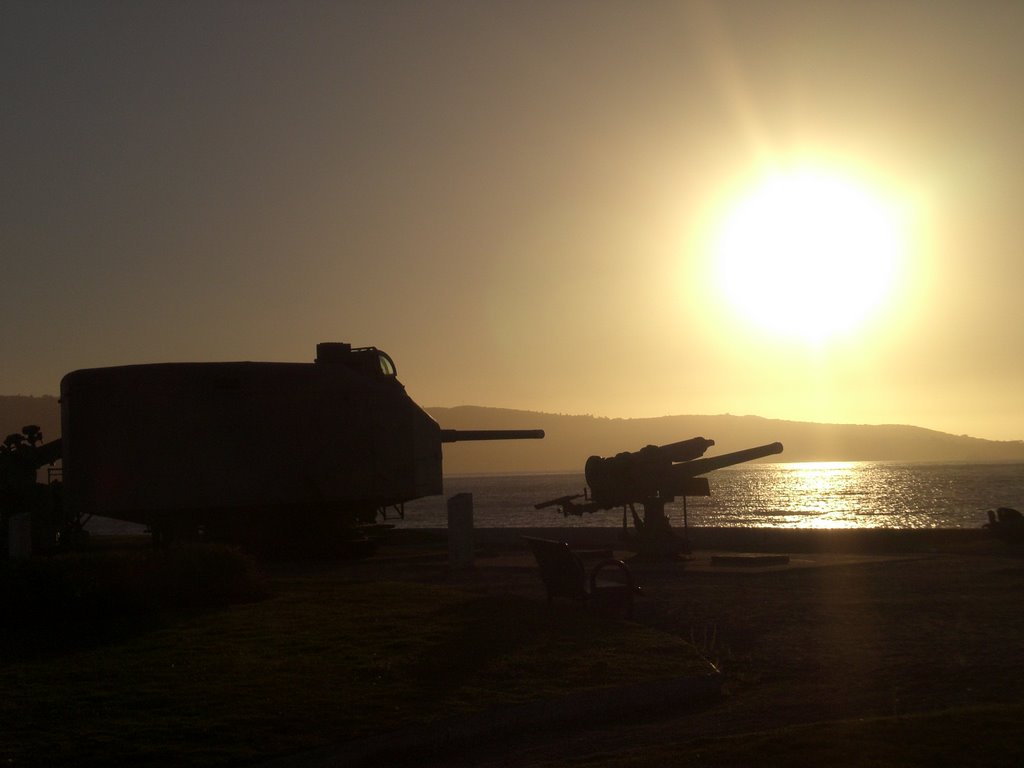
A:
(803, 495)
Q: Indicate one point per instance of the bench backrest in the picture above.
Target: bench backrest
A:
(561, 571)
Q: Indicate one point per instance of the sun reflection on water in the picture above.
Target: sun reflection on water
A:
(820, 494)
(789, 495)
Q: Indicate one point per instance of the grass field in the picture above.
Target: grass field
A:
(911, 661)
(325, 657)
(979, 737)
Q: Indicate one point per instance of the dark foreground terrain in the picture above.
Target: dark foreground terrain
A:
(880, 649)
(906, 657)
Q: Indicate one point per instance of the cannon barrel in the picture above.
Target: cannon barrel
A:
(461, 435)
(660, 471)
(48, 453)
(645, 466)
(699, 467)
(685, 450)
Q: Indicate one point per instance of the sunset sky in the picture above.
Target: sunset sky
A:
(800, 210)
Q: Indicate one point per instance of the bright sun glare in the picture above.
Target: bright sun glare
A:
(808, 255)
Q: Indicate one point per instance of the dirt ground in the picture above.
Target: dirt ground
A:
(828, 637)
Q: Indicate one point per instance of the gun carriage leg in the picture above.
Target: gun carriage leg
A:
(656, 539)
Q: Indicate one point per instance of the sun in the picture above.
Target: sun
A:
(809, 254)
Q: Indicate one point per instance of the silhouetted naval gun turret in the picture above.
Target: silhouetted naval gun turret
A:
(652, 477)
(266, 454)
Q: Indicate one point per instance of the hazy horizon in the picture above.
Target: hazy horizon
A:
(435, 409)
(801, 210)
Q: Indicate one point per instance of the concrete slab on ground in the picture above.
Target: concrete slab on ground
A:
(704, 561)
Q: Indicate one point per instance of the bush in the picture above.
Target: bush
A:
(96, 586)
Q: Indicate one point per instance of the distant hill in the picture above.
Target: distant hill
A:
(18, 411)
(571, 439)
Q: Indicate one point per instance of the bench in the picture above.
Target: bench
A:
(564, 575)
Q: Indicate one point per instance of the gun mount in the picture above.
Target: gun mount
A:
(259, 453)
(652, 477)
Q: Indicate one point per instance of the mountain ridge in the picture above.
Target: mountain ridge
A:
(572, 438)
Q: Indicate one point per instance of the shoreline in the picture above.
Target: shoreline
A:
(706, 538)
(882, 540)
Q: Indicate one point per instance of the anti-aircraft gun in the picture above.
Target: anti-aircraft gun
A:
(652, 477)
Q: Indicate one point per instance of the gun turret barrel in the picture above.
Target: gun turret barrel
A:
(699, 467)
(460, 435)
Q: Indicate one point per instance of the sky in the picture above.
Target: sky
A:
(524, 203)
